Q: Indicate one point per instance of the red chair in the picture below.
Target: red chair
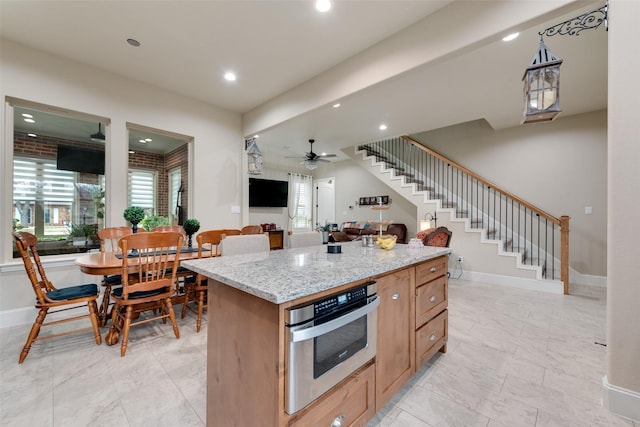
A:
(440, 237)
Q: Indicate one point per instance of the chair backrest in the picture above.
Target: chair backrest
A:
(231, 232)
(153, 263)
(305, 238)
(212, 238)
(441, 237)
(251, 229)
(176, 228)
(244, 244)
(26, 243)
(109, 238)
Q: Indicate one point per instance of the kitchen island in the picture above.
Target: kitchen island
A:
(248, 302)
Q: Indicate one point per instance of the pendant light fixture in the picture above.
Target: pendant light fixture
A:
(98, 136)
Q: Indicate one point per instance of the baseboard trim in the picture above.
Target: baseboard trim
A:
(554, 287)
(620, 401)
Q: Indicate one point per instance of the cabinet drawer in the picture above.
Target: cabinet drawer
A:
(431, 299)
(352, 402)
(430, 338)
(430, 270)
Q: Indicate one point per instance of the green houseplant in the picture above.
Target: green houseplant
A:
(191, 226)
(324, 230)
(153, 221)
(134, 214)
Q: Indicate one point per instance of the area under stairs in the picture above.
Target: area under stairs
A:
(495, 258)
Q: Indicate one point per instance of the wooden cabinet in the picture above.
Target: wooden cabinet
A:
(352, 403)
(276, 239)
(396, 333)
(431, 309)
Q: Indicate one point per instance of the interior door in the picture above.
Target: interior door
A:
(325, 201)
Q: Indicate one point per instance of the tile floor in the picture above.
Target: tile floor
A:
(515, 358)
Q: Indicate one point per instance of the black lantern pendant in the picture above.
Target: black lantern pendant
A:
(542, 87)
(254, 158)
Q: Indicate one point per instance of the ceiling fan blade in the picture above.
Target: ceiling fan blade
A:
(327, 155)
(319, 159)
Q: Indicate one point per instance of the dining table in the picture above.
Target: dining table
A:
(110, 263)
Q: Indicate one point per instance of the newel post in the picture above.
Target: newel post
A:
(564, 252)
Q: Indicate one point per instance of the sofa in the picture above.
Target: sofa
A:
(355, 231)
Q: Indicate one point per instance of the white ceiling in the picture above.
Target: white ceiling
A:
(275, 46)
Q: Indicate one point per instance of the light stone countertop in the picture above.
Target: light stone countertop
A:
(284, 275)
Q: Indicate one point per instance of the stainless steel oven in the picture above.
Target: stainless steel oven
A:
(328, 340)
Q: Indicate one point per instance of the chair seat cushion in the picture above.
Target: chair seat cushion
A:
(180, 270)
(113, 279)
(118, 292)
(73, 292)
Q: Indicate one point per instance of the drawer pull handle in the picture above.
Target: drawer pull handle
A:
(337, 421)
(433, 298)
(433, 337)
(433, 269)
(395, 296)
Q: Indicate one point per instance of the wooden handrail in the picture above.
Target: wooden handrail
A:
(562, 222)
(535, 209)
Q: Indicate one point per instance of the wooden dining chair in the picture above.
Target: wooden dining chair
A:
(49, 299)
(148, 275)
(251, 229)
(230, 232)
(109, 243)
(196, 290)
(305, 238)
(183, 273)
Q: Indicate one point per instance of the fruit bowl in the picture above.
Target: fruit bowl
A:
(386, 241)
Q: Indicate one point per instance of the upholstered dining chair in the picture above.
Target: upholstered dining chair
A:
(305, 238)
(251, 229)
(109, 237)
(196, 289)
(441, 237)
(49, 299)
(148, 275)
(244, 244)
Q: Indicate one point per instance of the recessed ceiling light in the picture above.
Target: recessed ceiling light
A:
(336, 105)
(382, 127)
(29, 120)
(323, 5)
(32, 135)
(28, 116)
(230, 77)
(148, 140)
(142, 141)
(510, 37)
(256, 136)
(133, 42)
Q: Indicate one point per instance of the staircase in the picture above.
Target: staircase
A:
(536, 240)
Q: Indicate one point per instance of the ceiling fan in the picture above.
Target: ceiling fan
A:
(98, 136)
(311, 159)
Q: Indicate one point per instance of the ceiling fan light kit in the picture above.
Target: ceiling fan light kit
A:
(98, 136)
(311, 159)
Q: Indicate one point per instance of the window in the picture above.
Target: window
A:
(142, 190)
(49, 202)
(300, 202)
(175, 184)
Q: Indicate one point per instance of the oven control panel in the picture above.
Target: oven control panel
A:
(331, 303)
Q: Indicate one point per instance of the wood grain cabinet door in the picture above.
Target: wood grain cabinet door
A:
(395, 358)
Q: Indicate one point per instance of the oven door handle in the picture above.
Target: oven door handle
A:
(315, 331)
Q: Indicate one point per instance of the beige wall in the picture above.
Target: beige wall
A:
(561, 167)
(623, 288)
(39, 77)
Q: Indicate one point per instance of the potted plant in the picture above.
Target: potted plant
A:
(134, 214)
(325, 229)
(153, 221)
(191, 226)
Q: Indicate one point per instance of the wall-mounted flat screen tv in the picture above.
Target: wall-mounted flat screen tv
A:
(80, 160)
(268, 193)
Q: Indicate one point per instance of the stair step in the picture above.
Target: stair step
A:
(412, 180)
(448, 204)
